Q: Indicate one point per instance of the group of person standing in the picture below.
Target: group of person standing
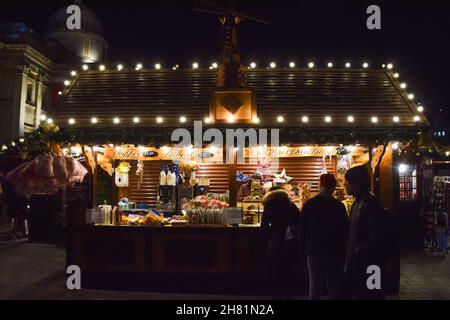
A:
(339, 248)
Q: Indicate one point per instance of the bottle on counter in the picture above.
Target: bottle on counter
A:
(162, 178)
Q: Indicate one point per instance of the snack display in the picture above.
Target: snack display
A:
(142, 218)
(179, 220)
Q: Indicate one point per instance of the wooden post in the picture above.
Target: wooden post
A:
(386, 176)
(232, 169)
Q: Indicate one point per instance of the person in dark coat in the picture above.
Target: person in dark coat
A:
(280, 222)
(366, 245)
(323, 238)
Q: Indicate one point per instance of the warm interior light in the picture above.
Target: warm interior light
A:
(94, 120)
(195, 65)
(71, 121)
(395, 146)
(85, 67)
(49, 120)
(157, 66)
(116, 120)
(273, 65)
(119, 67)
(420, 109)
(350, 119)
(159, 120)
(213, 149)
(207, 120)
(410, 96)
(118, 148)
(102, 68)
(60, 93)
(311, 65)
(255, 120)
(327, 119)
(292, 64)
(396, 119)
(215, 65)
(136, 120)
(403, 85)
(348, 65)
(330, 64)
(182, 119)
(253, 65)
(231, 118)
(67, 83)
(305, 119)
(280, 119)
(374, 120)
(416, 118)
(365, 65)
(139, 66)
(43, 117)
(73, 73)
(396, 75)
(390, 66)
(402, 168)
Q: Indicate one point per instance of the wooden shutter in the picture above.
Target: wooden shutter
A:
(300, 169)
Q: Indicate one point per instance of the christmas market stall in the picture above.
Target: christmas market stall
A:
(154, 213)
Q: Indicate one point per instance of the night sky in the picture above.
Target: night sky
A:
(415, 36)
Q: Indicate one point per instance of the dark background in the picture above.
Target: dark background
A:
(415, 36)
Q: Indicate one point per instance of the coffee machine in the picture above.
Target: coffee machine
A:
(167, 200)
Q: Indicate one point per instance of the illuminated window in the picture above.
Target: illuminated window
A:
(408, 183)
(30, 93)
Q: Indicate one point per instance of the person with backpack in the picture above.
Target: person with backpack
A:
(441, 230)
(323, 238)
(369, 238)
(279, 223)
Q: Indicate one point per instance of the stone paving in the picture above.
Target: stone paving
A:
(31, 270)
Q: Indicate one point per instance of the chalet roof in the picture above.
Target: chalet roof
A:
(292, 93)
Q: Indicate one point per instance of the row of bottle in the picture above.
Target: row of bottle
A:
(169, 179)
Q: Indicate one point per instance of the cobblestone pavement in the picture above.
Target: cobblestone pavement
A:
(36, 271)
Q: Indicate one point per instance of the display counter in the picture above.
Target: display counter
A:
(205, 259)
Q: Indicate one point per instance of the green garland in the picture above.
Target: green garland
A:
(44, 139)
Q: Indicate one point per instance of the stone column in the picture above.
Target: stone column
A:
(41, 89)
(19, 101)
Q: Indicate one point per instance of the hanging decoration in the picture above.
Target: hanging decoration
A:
(140, 173)
(324, 166)
(282, 177)
(264, 168)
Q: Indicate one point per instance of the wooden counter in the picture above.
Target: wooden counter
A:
(174, 259)
(180, 259)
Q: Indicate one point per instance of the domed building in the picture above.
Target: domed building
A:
(87, 43)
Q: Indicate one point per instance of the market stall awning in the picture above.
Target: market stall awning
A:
(371, 98)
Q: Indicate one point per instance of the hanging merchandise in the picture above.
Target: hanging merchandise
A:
(344, 164)
(121, 176)
(264, 168)
(324, 167)
(46, 175)
(140, 173)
